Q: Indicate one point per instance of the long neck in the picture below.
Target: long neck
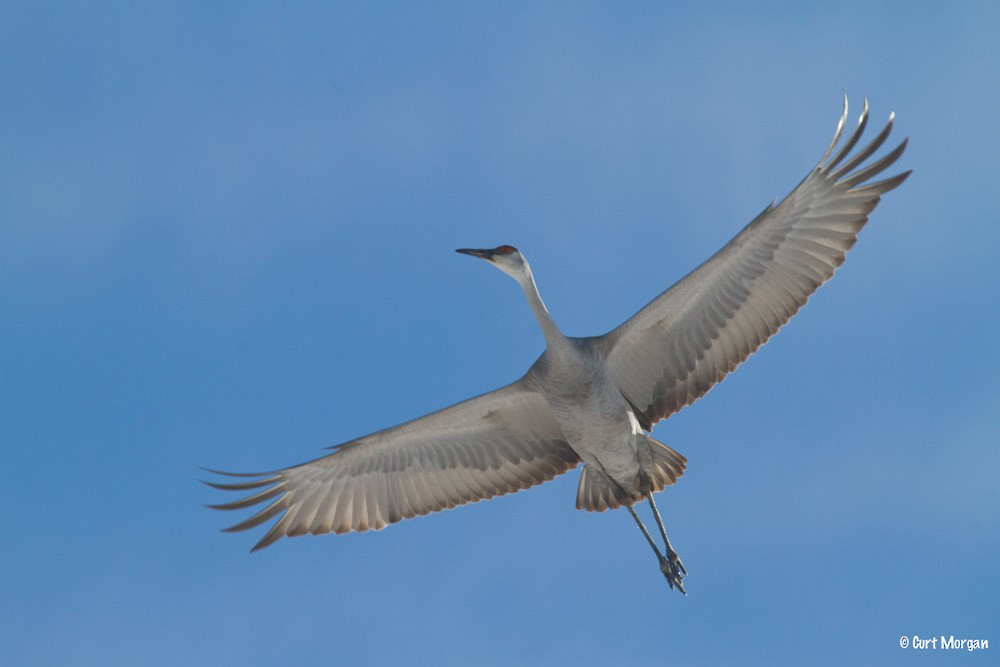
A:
(553, 337)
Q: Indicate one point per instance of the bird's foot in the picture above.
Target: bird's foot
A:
(673, 570)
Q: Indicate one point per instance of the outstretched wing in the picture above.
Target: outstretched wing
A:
(675, 349)
(497, 443)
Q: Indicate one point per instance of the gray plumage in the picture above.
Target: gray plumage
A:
(590, 400)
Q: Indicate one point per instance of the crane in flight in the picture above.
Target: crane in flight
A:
(592, 400)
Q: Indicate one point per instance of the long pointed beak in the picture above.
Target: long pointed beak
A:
(481, 254)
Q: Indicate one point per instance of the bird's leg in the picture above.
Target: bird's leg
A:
(668, 566)
(674, 559)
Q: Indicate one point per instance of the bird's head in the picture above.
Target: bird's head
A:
(506, 258)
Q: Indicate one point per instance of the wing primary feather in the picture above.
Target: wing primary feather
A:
(867, 151)
(276, 532)
(249, 501)
(836, 135)
(875, 168)
(236, 474)
(855, 136)
(260, 517)
(883, 186)
(243, 486)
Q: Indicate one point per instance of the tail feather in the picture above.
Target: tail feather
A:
(596, 493)
(668, 465)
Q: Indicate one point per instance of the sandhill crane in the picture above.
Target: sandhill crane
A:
(592, 400)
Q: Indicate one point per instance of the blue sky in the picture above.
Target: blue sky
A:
(226, 240)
